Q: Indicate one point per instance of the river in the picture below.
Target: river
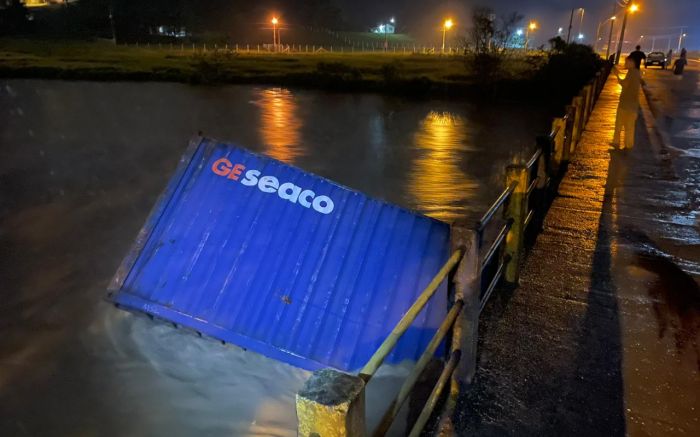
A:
(81, 163)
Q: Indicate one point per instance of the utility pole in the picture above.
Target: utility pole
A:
(680, 39)
(613, 18)
(571, 22)
(111, 23)
(622, 32)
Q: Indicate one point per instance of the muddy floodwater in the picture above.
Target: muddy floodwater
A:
(81, 164)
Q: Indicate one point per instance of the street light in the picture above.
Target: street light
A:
(680, 41)
(571, 22)
(447, 25)
(274, 22)
(530, 28)
(597, 32)
(628, 9)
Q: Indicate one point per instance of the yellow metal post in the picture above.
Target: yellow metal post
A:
(410, 381)
(569, 144)
(516, 211)
(331, 404)
(587, 101)
(578, 119)
(434, 397)
(387, 346)
(559, 155)
(467, 280)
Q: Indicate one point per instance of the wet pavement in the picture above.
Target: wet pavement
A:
(603, 335)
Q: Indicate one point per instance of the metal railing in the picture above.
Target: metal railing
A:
(477, 269)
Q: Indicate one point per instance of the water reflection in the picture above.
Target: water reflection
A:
(280, 124)
(438, 184)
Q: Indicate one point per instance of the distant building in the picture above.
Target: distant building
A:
(384, 28)
(45, 3)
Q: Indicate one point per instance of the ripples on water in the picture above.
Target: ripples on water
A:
(83, 162)
(438, 184)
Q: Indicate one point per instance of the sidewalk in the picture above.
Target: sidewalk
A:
(601, 338)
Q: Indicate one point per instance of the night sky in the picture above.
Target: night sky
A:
(419, 17)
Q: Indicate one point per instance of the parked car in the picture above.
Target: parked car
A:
(656, 58)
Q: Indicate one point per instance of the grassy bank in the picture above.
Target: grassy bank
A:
(383, 72)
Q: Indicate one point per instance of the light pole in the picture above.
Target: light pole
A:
(274, 33)
(597, 33)
(628, 9)
(571, 23)
(680, 40)
(447, 25)
(530, 28)
(580, 25)
(386, 37)
(612, 25)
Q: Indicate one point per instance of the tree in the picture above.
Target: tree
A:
(490, 33)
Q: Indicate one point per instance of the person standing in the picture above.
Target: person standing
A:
(628, 107)
(638, 56)
(669, 58)
(680, 63)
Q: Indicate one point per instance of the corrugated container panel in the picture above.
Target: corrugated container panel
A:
(311, 287)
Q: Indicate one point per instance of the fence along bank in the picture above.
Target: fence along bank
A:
(332, 403)
(348, 284)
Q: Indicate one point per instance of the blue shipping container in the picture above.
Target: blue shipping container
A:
(261, 254)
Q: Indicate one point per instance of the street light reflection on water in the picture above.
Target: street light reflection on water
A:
(280, 124)
(93, 370)
(438, 184)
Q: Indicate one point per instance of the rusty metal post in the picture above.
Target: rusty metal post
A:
(516, 211)
(569, 132)
(559, 155)
(577, 103)
(467, 286)
(586, 103)
(331, 404)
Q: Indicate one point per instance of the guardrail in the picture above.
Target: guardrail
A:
(332, 403)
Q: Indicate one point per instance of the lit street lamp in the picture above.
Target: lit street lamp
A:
(680, 41)
(447, 25)
(597, 33)
(274, 22)
(530, 28)
(628, 9)
(571, 23)
(612, 26)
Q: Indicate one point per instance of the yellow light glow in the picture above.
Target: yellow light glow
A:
(532, 25)
(442, 141)
(274, 20)
(448, 24)
(613, 18)
(634, 8)
(280, 127)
